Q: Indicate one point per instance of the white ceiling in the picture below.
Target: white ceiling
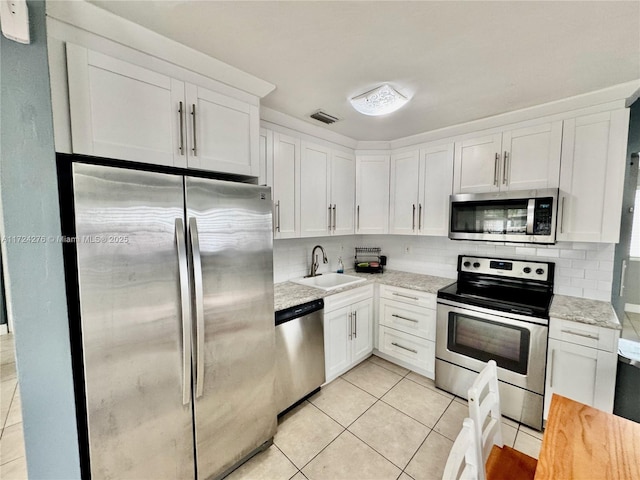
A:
(459, 61)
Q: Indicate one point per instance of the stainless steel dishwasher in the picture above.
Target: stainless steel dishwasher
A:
(299, 353)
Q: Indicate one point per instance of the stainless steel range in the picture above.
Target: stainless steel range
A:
(498, 309)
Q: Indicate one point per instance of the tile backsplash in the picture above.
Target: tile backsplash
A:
(582, 269)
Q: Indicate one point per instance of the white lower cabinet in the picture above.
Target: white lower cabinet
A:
(407, 328)
(581, 364)
(348, 334)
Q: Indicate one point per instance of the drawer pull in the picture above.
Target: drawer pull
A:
(585, 335)
(404, 348)
(404, 318)
(405, 296)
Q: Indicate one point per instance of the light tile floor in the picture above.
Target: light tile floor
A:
(13, 465)
(377, 421)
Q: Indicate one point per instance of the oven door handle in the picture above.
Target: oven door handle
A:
(531, 210)
(488, 314)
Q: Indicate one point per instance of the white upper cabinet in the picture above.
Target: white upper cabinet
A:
(343, 185)
(372, 194)
(516, 159)
(286, 182)
(531, 157)
(327, 190)
(436, 182)
(477, 164)
(120, 110)
(223, 133)
(124, 111)
(421, 182)
(315, 208)
(404, 193)
(591, 177)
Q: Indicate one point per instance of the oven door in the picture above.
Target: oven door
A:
(470, 336)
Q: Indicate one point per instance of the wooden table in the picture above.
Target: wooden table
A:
(584, 443)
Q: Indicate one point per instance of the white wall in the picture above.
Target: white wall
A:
(582, 269)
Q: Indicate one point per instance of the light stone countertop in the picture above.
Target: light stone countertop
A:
(581, 310)
(289, 294)
(584, 310)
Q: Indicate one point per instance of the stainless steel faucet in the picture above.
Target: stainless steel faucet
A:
(314, 260)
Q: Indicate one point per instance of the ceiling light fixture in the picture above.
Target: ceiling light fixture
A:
(379, 101)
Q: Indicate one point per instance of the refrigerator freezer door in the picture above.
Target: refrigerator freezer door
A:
(235, 411)
(132, 322)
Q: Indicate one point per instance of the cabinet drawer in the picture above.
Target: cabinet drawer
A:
(413, 297)
(407, 318)
(414, 350)
(583, 334)
(342, 299)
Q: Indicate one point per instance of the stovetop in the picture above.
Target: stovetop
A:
(514, 286)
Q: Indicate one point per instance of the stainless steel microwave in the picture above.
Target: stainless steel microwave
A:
(526, 216)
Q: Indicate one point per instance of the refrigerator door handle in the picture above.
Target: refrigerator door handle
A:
(199, 304)
(181, 247)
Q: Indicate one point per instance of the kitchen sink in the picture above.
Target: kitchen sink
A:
(328, 281)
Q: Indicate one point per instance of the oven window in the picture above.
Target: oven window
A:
(496, 216)
(488, 340)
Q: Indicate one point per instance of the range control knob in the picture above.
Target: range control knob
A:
(476, 264)
(467, 264)
(539, 271)
(526, 270)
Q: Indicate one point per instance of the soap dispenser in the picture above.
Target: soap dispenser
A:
(340, 265)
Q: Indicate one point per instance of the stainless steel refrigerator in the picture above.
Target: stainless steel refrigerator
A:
(175, 293)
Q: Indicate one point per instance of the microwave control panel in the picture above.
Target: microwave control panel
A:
(543, 216)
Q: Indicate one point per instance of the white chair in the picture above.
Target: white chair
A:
(463, 462)
(499, 461)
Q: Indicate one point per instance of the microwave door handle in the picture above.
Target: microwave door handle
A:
(531, 210)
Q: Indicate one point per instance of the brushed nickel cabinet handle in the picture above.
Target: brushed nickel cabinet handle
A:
(278, 216)
(585, 335)
(419, 216)
(405, 296)
(505, 163)
(358, 217)
(403, 347)
(495, 169)
(329, 217)
(404, 318)
(181, 117)
(551, 367)
(194, 149)
(355, 324)
(350, 326)
(334, 217)
(413, 225)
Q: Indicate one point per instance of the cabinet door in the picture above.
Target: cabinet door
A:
(405, 170)
(362, 339)
(314, 190)
(343, 183)
(592, 177)
(477, 164)
(120, 110)
(337, 342)
(571, 372)
(436, 183)
(372, 194)
(531, 157)
(286, 178)
(266, 158)
(223, 133)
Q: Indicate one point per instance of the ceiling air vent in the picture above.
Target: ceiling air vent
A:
(324, 117)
